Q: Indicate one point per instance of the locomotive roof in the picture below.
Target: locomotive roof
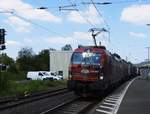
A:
(100, 47)
(91, 48)
(96, 48)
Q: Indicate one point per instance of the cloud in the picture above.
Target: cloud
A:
(27, 40)
(18, 24)
(137, 35)
(77, 38)
(82, 35)
(136, 14)
(84, 17)
(85, 37)
(12, 43)
(59, 40)
(28, 11)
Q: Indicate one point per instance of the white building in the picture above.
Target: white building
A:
(59, 62)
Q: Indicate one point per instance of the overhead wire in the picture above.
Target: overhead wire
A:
(92, 24)
(105, 22)
(115, 2)
(100, 15)
(89, 22)
(118, 2)
(128, 1)
(38, 25)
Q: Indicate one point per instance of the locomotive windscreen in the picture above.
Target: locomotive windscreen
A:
(85, 58)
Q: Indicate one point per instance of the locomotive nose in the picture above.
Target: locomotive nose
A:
(91, 70)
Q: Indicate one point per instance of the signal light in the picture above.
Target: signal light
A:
(2, 36)
(2, 47)
(3, 67)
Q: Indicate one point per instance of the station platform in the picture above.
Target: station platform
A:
(137, 98)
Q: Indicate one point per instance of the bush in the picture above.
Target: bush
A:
(14, 76)
(3, 82)
(21, 88)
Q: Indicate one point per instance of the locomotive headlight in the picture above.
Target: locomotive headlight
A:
(85, 71)
(101, 77)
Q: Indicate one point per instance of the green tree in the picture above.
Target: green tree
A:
(52, 49)
(9, 62)
(28, 61)
(25, 59)
(67, 47)
(42, 60)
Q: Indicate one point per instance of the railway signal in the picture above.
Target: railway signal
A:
(2, 47)
(2, 39)
(2, 36)
(3, 66)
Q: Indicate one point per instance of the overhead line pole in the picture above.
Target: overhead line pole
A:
(148, 48)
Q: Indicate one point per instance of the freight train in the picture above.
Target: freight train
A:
(94, 70)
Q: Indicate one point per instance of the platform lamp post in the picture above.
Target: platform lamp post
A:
(148, 24)
(148, 48)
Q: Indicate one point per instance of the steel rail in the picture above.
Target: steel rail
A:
(74, 106)
(13, 102)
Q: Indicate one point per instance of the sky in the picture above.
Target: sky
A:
(29, 26)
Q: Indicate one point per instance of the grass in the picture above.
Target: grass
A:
(14, 76)
(22, 88)
(11, 85)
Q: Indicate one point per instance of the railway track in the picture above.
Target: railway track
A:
(41, 99)
(108, 105)
(59, 101)
(78, 105)
(14, 101)
(75, 106)
(14, 98)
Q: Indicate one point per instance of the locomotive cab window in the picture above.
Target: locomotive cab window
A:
(86, 58)
(77, 58)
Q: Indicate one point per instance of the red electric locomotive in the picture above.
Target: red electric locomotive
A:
(93, 70)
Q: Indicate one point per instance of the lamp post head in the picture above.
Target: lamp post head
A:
(42, 8)
(148, 24)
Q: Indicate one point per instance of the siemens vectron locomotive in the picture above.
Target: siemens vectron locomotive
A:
(93, 70)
